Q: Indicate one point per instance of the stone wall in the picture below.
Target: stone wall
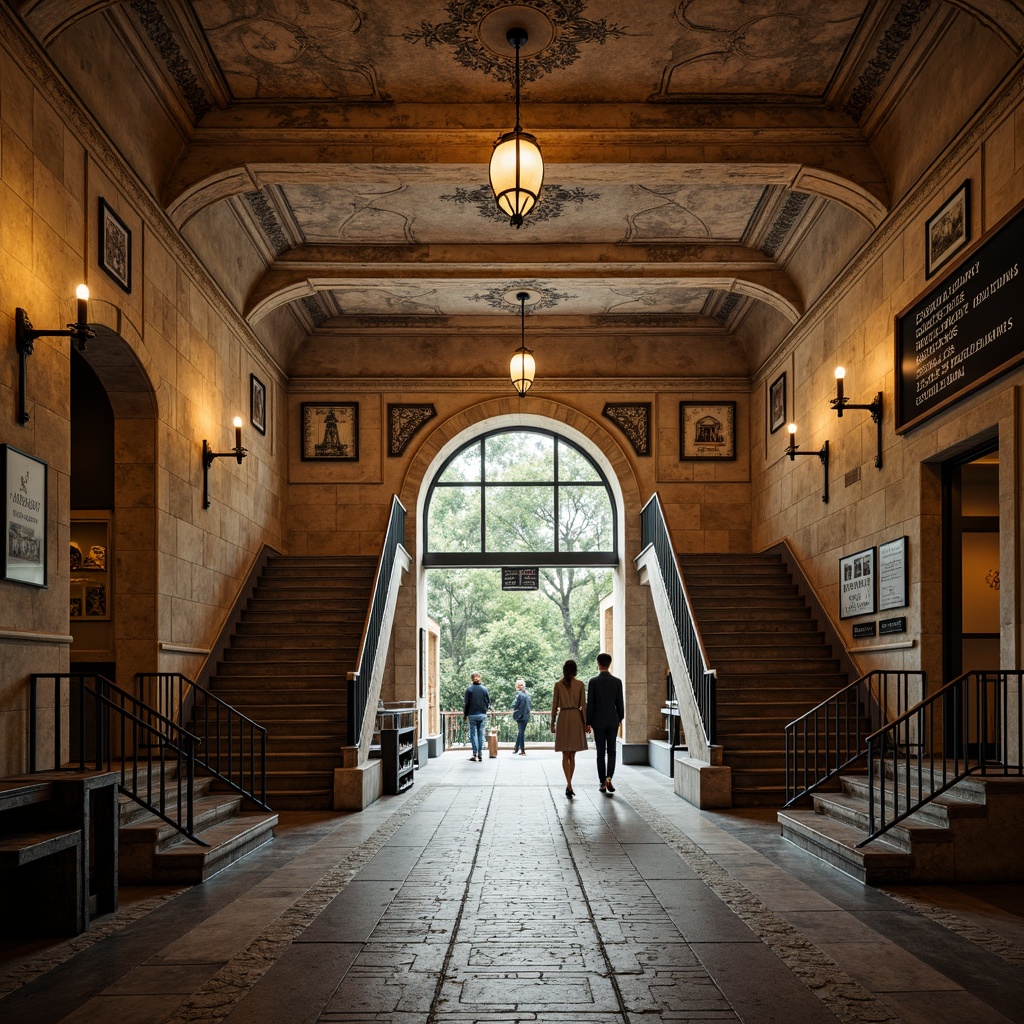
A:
(175, 359)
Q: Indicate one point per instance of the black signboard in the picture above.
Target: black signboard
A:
(863, 629)
(518, 579)
(966, 330)
(898, 625)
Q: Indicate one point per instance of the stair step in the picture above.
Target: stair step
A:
(303, 800)
(851, 810)
(316, 657)
(207, 811)
(286, 635)
(939, 811)
(284, 615)
(262, 602)
(288, 780)
(228, 841)
(836, 843)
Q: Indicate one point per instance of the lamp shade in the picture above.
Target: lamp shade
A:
(516, 174)
(522, 370)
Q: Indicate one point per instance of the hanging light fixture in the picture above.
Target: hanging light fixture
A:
(523, 366)
(517, 168)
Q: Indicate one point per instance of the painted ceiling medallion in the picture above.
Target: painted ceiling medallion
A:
(504, 297)
(556, 199)
(557, 29)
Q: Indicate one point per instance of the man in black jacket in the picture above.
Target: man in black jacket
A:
(604, 712)
(478, 700)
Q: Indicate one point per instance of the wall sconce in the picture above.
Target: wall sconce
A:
(25, 335)
(794, 450)
(238, 452)
(841, 403)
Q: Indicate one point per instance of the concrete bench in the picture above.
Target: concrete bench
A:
(41, 883)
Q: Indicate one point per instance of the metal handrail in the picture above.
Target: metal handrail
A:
(969, 726)
(654, 533)
(832, 736)
(359, 680)
(243, 770)
(147, 741)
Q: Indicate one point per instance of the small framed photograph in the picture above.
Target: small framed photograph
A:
(76, 604)
(707, 430)
(257, 403)
(892, 574)
(777, 403)
(948, 230)
(25, 517)
(115, 241)
(857, 584)
(330, 431)
(96, 601)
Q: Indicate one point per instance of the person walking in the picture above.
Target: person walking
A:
(477, 701)
(569, 720)
(604, 712)
(521, 715)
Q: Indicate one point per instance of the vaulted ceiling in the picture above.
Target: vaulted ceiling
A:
(690, 146)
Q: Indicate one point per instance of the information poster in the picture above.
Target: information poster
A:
(857, 584)
(892, 574)
(965, 331)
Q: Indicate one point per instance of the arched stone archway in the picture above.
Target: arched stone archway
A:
(133, 400)
(635, 629)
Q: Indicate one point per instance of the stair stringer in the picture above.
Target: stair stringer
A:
(401, 565)
(701, 778)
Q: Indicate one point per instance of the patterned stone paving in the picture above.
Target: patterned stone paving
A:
(507, 916)
(487, 896)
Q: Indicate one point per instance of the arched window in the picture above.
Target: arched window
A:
(520, 497)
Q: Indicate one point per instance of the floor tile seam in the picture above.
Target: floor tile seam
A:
(60, 954)
(213, 1001)
(602, 948)
(986, 939)
(846, 998)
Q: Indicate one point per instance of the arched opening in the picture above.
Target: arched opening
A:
(524, 493)
(113, 600)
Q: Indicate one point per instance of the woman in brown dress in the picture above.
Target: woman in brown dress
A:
(569, 720)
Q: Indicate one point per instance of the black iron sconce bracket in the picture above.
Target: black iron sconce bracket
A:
(794, 450)
(841, 403)
(238, 453)
(24, 339)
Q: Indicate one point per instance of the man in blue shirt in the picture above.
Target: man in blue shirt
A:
(521, 715)
(478, 700)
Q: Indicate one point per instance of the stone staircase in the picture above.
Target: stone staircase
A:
(152, 852)
(971, 833)
(772, 661)
(287, 668)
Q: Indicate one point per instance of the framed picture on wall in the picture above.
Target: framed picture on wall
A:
(892, 574)
(948, 230)
(257, 404)
(330, 431)
(25, 517)
(857, 584)
(707, 430)
(115, 241)
(777, 403)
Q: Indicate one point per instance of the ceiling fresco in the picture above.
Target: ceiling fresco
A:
(459, 298)
(426, 214)
(597, 51)
(692, 147)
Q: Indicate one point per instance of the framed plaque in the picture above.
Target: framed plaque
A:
(25, 517)
(857, 584)
(892, 574)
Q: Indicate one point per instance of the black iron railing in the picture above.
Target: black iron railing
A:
(359, 680)
(233, 747)
(110, 729)
(972, 726)
(832, 736)
(654, 533)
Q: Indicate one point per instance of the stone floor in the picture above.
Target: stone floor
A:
(483, 894)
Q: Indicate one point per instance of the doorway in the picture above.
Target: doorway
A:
(970, 525)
